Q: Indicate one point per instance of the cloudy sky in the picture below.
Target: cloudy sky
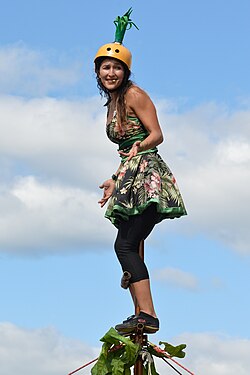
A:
(59, 278)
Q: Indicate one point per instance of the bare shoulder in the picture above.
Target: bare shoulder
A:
(136, 98)
(136, 93)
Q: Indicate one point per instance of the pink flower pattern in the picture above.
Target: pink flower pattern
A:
(153, 185)
(143, 165)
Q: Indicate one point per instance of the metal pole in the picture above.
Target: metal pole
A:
(138, 367)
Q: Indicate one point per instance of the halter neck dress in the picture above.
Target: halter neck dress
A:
(143, 180)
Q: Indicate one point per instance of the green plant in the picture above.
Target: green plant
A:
(120, 353)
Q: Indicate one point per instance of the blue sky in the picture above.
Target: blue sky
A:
(59, 278)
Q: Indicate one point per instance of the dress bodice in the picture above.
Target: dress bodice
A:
(134, 130)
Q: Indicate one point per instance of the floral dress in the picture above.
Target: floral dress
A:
(143, 180)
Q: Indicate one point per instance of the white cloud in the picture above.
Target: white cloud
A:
(176, 277)
(209, 150)
(56, 139)
(63, 143)
(43, 217)
(209, 353)
(234, 152)
(44, 351)
(53, 156)
(27, 71)
(41, 351)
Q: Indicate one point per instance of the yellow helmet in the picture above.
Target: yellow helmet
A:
(116, 49)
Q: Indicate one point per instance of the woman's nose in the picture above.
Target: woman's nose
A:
(111, 72)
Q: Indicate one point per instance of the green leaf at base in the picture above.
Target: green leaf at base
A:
(117, 361)
(174, 351)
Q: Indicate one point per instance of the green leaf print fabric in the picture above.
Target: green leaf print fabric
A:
(142, 180)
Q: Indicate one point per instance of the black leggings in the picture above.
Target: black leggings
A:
(130, 233)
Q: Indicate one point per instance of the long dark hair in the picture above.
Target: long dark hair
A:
(121, 91)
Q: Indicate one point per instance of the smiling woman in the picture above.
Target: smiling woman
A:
(111, 74)
(143, 191)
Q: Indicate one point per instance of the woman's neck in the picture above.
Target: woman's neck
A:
(113, 95)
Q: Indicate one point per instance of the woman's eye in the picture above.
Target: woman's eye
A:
(105, 67)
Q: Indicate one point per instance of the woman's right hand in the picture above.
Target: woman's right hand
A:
(133, 151)
(108, 186)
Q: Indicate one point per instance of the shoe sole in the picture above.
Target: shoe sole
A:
(139, 327)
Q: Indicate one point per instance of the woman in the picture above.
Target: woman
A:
(143, 191)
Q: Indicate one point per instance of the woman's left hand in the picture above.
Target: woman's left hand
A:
(133, 152)
(108, 187)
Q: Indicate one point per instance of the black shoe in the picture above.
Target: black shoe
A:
(143, 321)
(129, 318)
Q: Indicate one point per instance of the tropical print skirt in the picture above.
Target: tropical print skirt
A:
(143, 180)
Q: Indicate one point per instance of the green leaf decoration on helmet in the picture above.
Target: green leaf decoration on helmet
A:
(122, 24)
(116, 49)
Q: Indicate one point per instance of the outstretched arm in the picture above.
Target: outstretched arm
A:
(108, 186)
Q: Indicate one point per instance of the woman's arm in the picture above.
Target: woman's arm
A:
(108, 186)
(140, 105)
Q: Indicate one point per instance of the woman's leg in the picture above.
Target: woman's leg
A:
(132, 292)
(130, 234)
(143, 296)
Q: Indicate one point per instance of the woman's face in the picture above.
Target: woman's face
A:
(111, 74)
